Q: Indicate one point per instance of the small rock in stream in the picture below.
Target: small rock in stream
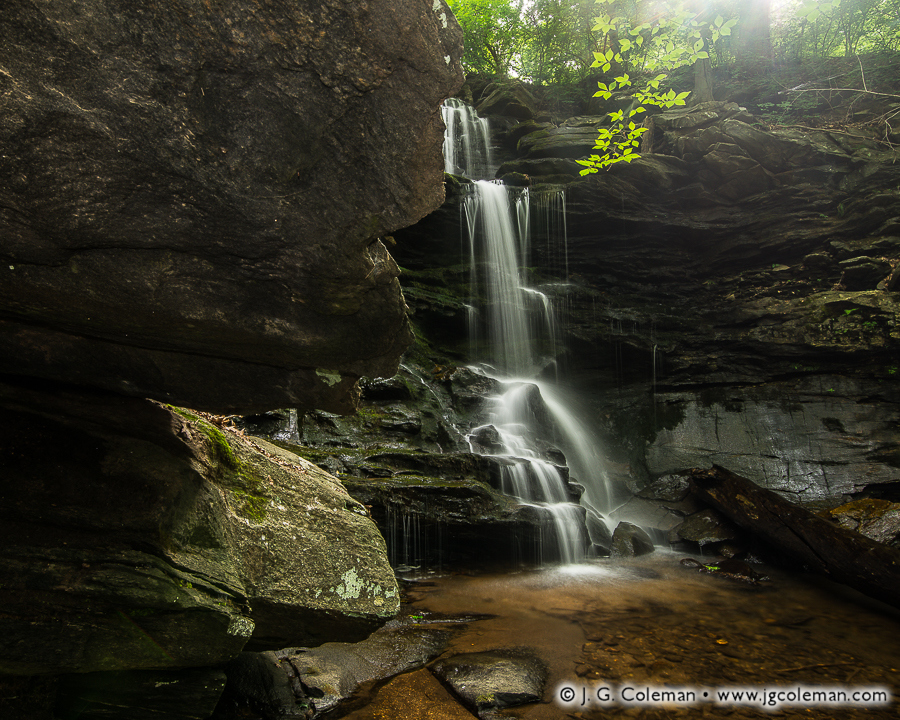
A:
(495, 679)
(629, 540)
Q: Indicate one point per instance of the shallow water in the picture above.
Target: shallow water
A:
(652, 623)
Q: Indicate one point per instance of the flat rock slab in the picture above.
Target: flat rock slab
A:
(334, 671)
(495, 679)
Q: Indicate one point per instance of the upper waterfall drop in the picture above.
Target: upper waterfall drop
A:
(467, 141)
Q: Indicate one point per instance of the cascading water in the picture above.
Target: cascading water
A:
(467, 141)
(515, 336)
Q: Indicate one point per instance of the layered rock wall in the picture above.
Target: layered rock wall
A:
(731, 298)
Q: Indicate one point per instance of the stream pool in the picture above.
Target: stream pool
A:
(614, 631)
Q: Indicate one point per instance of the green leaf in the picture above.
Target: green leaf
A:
(719, 21)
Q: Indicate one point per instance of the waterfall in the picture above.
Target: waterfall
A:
(516, 338)
(467, 141)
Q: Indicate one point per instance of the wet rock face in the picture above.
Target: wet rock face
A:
(812, 439)
(192, 198)
(334, 671)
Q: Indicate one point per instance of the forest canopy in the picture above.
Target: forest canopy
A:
(554, 41)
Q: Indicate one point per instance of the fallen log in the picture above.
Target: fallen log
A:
(845, 556)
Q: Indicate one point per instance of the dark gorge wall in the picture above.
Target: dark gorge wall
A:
(192, 197)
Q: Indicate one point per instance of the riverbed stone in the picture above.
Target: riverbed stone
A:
(333, 671)
(494, 679)
(414, 694)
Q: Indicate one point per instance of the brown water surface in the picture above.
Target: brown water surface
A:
(651, 623)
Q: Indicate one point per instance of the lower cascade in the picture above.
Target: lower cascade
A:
(514, 334)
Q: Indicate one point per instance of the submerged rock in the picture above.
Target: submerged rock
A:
(416, 694)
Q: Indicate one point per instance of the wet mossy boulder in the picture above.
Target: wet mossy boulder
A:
(124, 520)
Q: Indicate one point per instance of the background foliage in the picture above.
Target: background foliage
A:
(553, 41)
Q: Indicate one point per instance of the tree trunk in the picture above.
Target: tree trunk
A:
(843, 555)
(755, 38)
(703, 82)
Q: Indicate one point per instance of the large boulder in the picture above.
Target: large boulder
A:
(136, 536)
(191, 199)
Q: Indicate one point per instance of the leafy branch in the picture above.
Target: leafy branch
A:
(677, 39)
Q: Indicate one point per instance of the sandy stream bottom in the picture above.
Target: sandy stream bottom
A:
(651, 623)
